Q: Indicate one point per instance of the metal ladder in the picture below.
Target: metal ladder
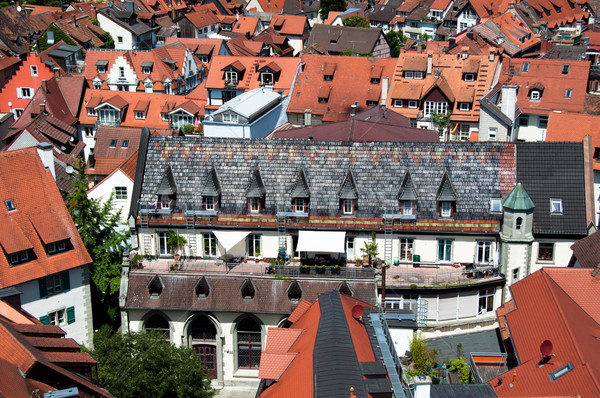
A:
(388, 224)
(190, 225)
(421, 312)
(281, 231)
(145, 230)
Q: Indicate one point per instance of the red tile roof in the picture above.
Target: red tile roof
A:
(551, 304)
(290, 25)
(560, 128)
(281, 340)
(35, 196)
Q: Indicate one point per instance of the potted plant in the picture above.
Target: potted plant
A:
(305, 269)
(370, 250)
(256, 256)
(173, 267)
(320, 269)
(136, 262)
(176, 242)
(336, 270)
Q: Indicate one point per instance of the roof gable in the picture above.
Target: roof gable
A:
(256, 188)
(167, 184)
(300, 189)
(407, 188)
(212, 187)
(348, 188)
(446, 191)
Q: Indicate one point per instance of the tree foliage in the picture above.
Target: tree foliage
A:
(42, 42)
(371, 249)
(98, 225)
(331, 5)
(145, 365)
(423, 359)
(460, 365)
(396, 41)
(357, 21)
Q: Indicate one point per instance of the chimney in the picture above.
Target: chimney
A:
(384, 90)
(307, 117)
(451, 42)
(429, 63)
(45, 86)
(248, 34)
(422, 386)
(45, 152)
(509, 101)
(419, 49)
(492, 54)
(129, 6)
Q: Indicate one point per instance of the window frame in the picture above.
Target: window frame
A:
(469, 77)
(408, 208)
(300, 203)
(34, 70)
(446, 210)
(231, 77)
(140, 115)
(119, 193)
(57, 317)
(254, 205)
(542, 122)
(244, 340)
(484, 252)
(413, 104)
(464, 106)
(535, 95)
(209, 250)
(525, 67)
(486, 297)
(347, 207)
(565, 69)
(568, 93)
(444, 254)
(406, 249)
(397, 103)
(495, 205)
(545, 252)
(209, 202)
(54, 284)
(556, 206)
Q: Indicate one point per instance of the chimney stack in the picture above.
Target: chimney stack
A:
(508, 105)
(45, 152)
(422, 386)
(43, 107)
(384, 90)
(429, 63)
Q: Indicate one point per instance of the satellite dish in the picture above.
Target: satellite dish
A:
(69, 169)
(358, 311)
(546, 348)
(18, 8)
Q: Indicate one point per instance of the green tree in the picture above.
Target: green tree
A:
(423, 359)
(331, 5)
(396, 41)
(98, 225)
(357, 21)
(460, 365)
(371, 249)
(188, 129)
(145, 365)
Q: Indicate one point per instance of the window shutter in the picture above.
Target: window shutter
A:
(45, 320)
(342, 207)
(70, 315)
(43, 289)
(249, 205)
(259, 205)
(66, 283)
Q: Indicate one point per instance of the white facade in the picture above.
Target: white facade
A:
(534, 130)
(121, 75)
(115, 184)
(78, 296)
(467, 18)
(122, 37)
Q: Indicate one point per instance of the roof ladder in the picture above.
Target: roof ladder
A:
(388, 224)
(421, 313)
(282, 233)
(388, 353)
(145, 230)
(190, 225)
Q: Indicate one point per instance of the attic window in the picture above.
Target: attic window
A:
(446, 209)
(328, 77)
(568, 93)
(565, 69)
(469, 77)
(202, 288)
(495, 205)
(556, 206)
(125, 144)
(113, 143)
(155, 287)
(294, 291)
(10, 206)
(266, 79)
(535, 95)
(375, 80)
(563, 370)
(525, 67)
(248, 290)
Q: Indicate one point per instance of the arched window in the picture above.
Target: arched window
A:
(159, 324)
(519, 223)
(248, 344)
(203, 335)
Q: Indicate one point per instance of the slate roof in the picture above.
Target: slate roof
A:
(271, 296)
(337, 39)
(462, 390)
(554, 171)
(478, 172)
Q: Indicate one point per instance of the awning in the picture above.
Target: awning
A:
(228, 239)
(321, 241)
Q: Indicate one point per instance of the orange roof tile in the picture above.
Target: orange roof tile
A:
(281, 340)
(24, 179)
(560, 128)
(299, 311)
(272, 366)
(294, 25)
(48, 229)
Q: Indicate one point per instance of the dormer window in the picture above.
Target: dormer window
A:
(248, 290)
(140, 115)
(254, 205)
(92, 112)
(495, 205)
(230, 117)
(375, 80)
(146, 70)
(19, 257)
(209, 203)
(556, 206)
(446, 209)
(164, 202)
(266, 78)
(300, 205)
(101, 66)
(469, 77)
(56, 247)
(323, 100)
(10, 206)
(231, 77)
(347, 206)
(464, 106)
(407, 208)
(535, 95)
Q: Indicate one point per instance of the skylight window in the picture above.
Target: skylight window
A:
(563, 370)
(10, 206)
(496, 205)
(113, 143)
(125, 144)
(556, 206)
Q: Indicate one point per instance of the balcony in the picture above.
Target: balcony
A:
(101, 122)
(595, 70)
(439, 275)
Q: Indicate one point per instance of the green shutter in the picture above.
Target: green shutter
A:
(43, 290)
(66, 283)
(70, 315)
(45, 320)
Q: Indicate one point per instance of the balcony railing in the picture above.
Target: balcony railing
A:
(324, 272)
(439, 279)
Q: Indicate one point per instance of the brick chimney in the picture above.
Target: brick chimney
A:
(45, 152)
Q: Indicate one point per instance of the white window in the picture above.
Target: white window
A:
(168, 88)
(148, 87)
(146, 70)
(418, 75)
(61, 246)
(496, 205)
(210, 245)
(469, 77)
(464, 132)
(519, 223)
(556, 206)
(535, 95)
(407, 207)
(464, 106)
(446, 209)
(164, 202)
(347, 206)
(568, 93)
(121, 193)
(486, 300)
(231, 77)
(204, 59)
(89, 132)
(209, 203)
(230, 117)
(397, 103)
(18, 113)
(254, 245)
(25, 92)
(412, 104)
(484, 252)
(92, 112)
(492, 133)
(34, 70)
(97, 85)
(57, 318)
(254, 205)
(406, 249)
(23, 255)
(445, 250)
(101, 69)
(429, 108)
(140, 115)
(164, 116)
(300, 205)
(266, 78)
(408, 74)
(442, 108)
(51, 248)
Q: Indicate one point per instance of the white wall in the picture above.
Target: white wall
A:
(401, 339)
(113, 75)
(562, 254)
(116, 31)
(531, 132)
(79, 296)
(106, 187)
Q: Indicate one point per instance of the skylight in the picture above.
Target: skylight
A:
(10, 206)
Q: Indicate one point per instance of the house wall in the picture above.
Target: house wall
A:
(257, 129)
(228, 373)
(515, 256)
(79, 296)
(401, 339)
(466, 20)
(113, 78)
(106, 187)
(296, 42)
(487, 120)
(562, 253)
(381, 48)
(116, 31)
(531, 132)
(89, 140)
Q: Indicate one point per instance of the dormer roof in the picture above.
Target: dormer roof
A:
(300, 188)
(167, 184)
(446, 191)
(256, 188)
(212, 187)
(348, 189)
(407, 188)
